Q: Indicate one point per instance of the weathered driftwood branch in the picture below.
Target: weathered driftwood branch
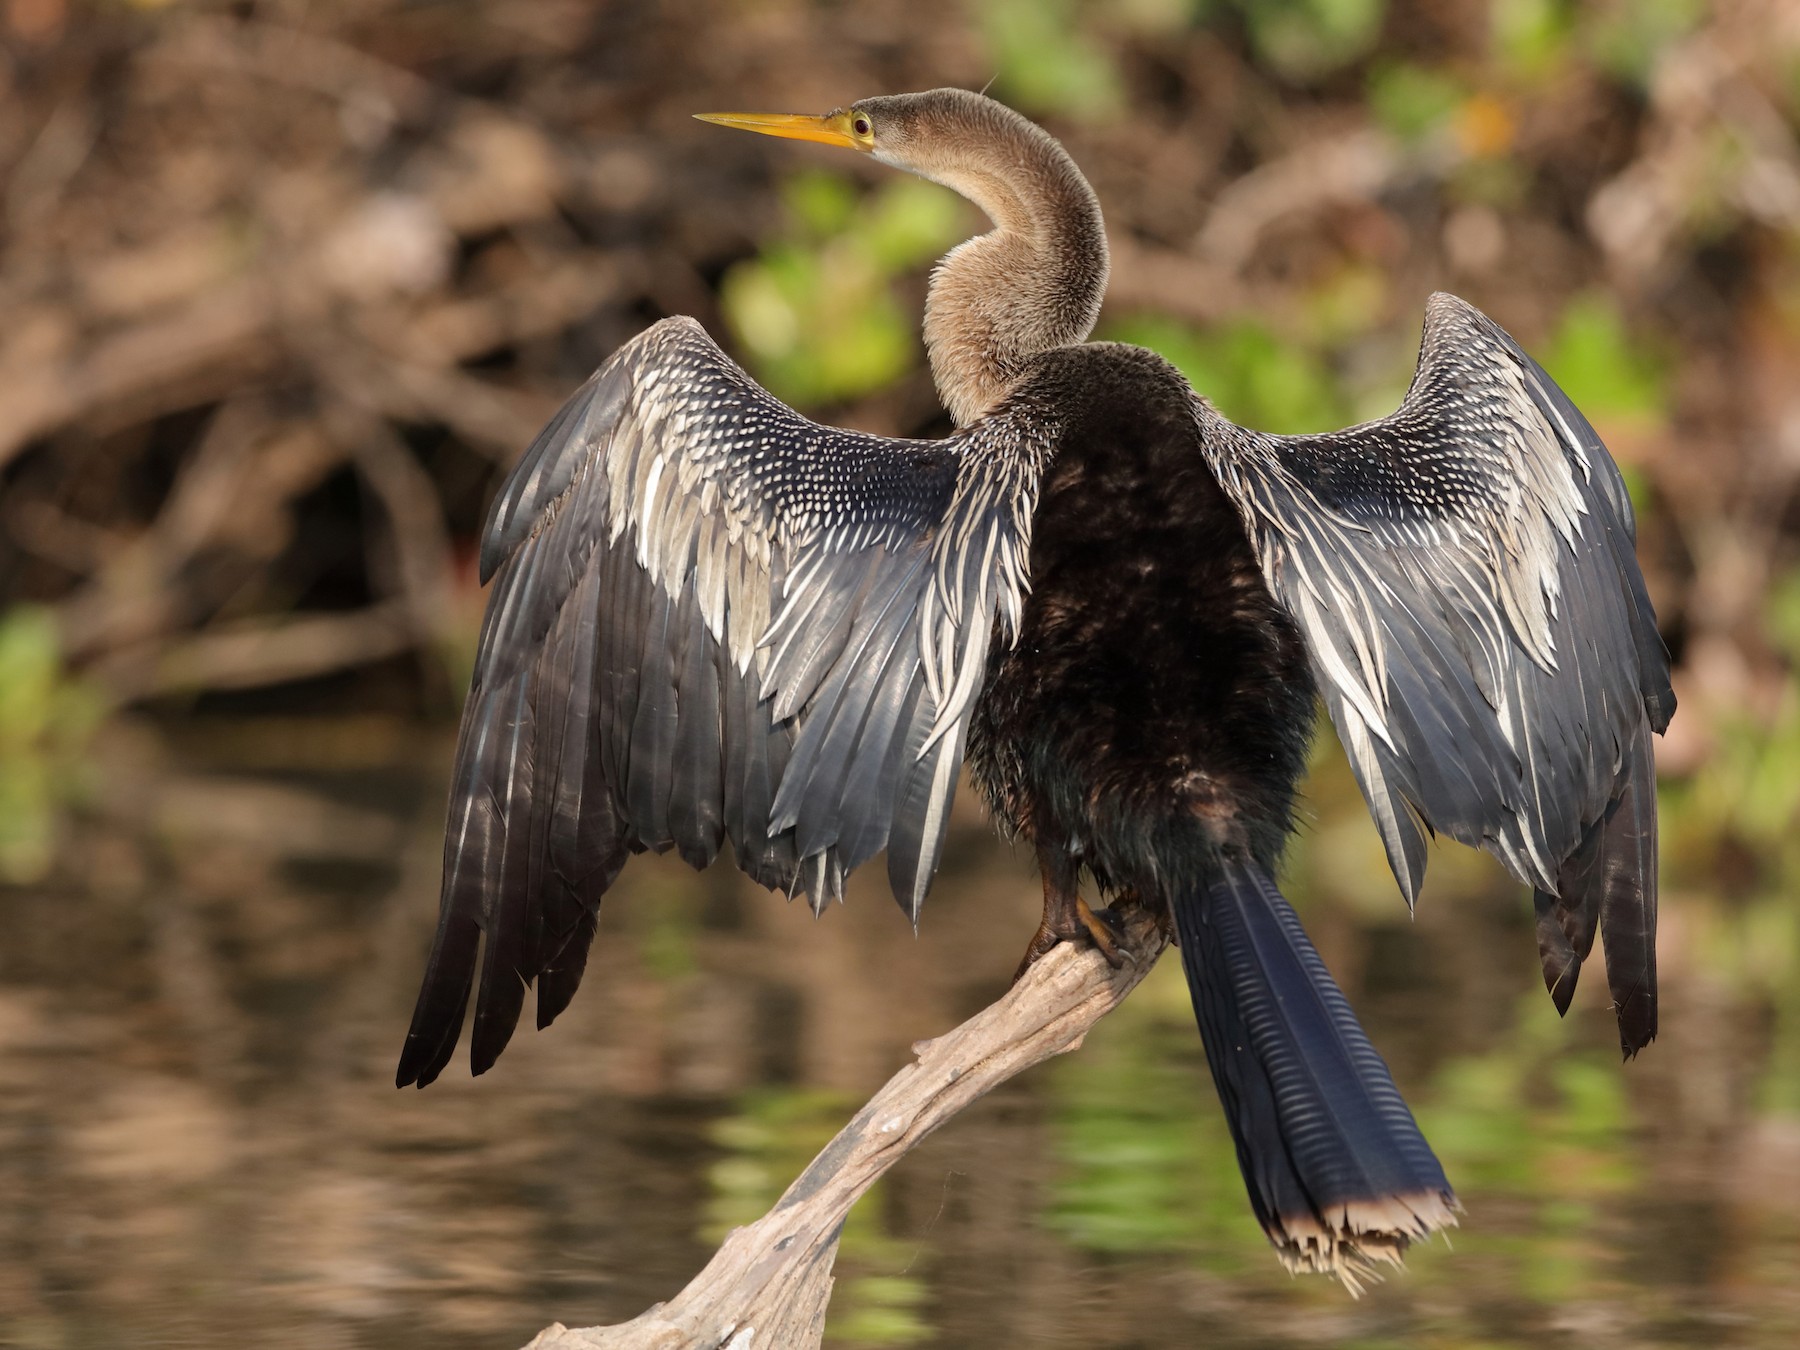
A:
(768, 1285)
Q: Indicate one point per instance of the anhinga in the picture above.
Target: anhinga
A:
(714, 619)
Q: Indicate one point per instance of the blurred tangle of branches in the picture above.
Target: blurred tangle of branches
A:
(287, 285)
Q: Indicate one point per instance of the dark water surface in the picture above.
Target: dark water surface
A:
(201, 1146)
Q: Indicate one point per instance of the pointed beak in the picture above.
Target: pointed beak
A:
(831, 129)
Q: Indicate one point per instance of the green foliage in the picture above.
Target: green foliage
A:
(765, 1144)
(910, 223)
(1411, 101)
(1543, 1126)
(1606, 373)
(1747, 791)
(1045, 64)
(816, 310)
(1155, 16)
(1502, 1120)
(1779, 1090)
(1346, 305)
(821, 203)
(1253, 376)
(1730, 843)
(1304, 39)
(666, 934)
(1146, 1163)
(1781, 616)
(46, 718)
(1628, 38)
(1531, 37)
(1053, 56)
(877, 1309)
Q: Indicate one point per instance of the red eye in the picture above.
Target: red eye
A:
(860, 126)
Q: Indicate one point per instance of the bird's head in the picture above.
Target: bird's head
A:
(1033, 283)
(937, 134)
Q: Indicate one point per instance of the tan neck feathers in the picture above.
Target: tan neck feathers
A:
(1034, 282)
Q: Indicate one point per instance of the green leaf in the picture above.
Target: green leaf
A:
(1599, 366)
(1304, 39)
(816, 311)
(30, 661)
(1531, 37)
(1253, 376)
(1413, 101)
(46, 718)
(821, 202)
(1781, 614)
(912, 223)
(1145, 1162)
(1045, 64)
(1629, 37)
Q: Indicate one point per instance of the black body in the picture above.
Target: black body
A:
(1156, 710)
(1150, 726)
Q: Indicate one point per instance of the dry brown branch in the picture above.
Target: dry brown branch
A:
(497, 421)
(257, 52)
(536, 305)
(769, 1284)
(259, 651)
(194, 356)
(1350, 168)
(420, 544)
(1165, 280)
(235, 489)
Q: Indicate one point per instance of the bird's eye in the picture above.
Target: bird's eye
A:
(860, 125)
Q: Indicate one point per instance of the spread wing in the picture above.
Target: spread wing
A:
(711, 620)
(1463, 571)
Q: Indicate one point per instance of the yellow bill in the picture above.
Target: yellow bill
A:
(829, 129)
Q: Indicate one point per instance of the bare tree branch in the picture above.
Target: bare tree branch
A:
(769, 1284)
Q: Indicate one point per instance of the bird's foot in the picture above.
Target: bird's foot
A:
(1128, 902)
(1100, 927)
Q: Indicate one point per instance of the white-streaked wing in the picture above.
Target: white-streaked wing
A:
(1464, 573)
(711, 619)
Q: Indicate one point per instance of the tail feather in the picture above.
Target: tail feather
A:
(1338, 1173)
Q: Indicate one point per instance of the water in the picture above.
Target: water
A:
(200, 1144)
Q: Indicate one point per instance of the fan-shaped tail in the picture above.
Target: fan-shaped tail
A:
(1338, 1173)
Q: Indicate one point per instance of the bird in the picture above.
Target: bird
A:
(713, 619)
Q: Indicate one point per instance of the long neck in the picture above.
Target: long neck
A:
(1032, 284)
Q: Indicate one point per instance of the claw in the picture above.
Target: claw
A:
(1071, 922)
(1105, 930)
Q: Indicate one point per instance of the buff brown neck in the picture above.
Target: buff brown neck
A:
(1031, 284)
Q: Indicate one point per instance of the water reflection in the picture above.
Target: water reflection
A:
(200, 1145)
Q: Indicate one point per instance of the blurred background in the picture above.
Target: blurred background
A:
(284, 287)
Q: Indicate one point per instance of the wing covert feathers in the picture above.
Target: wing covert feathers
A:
(1465, 576)
(711, 620)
